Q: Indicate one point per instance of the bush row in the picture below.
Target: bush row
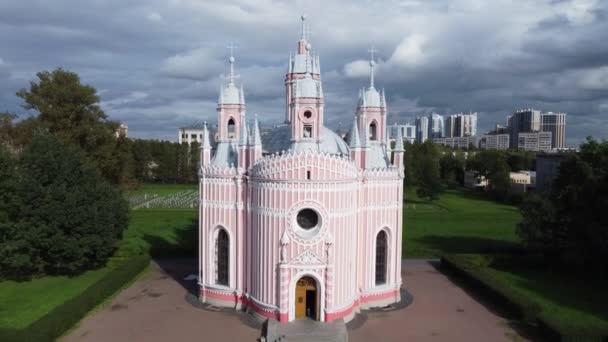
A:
(62, 318)
(474, 270)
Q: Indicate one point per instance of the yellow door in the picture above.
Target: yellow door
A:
(300, 301)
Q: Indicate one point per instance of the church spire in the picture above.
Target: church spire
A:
(303, 18)
(372, 64)
(231, 60)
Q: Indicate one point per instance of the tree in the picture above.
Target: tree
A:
(426, 170)
(571, 222)
(70, 110)
(492, 164)
(66, 217)
(452, 167)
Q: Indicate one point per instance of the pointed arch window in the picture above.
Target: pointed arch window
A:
(381, 258)
(222, 253)
(373, 131)
(231, 128)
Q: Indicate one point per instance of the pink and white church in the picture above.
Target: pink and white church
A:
(298, 223)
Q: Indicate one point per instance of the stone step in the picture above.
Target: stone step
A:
(305, 331)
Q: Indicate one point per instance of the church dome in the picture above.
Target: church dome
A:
(279, 139)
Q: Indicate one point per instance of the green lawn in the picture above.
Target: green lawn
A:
(572, 301)
(566, 297)
(164, 189)
(21, 303)
(169, 231)
(160, 230)
(459, 222)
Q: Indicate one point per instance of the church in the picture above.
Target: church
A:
(299, 223)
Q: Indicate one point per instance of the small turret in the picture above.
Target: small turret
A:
(205, 149)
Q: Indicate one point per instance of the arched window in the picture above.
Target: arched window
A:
(231, 128)
(373, 131)
(381, 257)
(222, 255)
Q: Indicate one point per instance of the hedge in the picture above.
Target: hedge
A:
(472, 269)
(521, 307)
(63, 317)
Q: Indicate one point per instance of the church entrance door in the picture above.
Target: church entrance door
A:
(306, 298)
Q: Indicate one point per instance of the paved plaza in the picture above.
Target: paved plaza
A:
(160, 307)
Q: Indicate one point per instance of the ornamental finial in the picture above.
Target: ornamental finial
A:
(231, 60)
(372, 64)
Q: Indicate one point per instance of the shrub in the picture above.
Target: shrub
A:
(65, 217)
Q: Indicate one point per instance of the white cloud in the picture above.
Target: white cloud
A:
(155, 17)
(410, 51)
(356, 69)
(120, 101)
(200, 63)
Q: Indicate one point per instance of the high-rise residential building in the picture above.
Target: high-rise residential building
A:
(556, 124)
(522, 121)
(407, 131)
(436, 126)
(534, 141)
(422, 129)
(494, 142)
(460, 125)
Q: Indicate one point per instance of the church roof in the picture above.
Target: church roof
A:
(225, 155)
(279, 139)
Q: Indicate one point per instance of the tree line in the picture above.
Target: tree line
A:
(69, 110)
(430, 168)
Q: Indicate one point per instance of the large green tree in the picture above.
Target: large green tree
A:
(70, 110)
(571, 222)
(65, 218)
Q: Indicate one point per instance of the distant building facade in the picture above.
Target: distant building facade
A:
(407, 131)
(494, 142)
(422, 129)
(457, 142)
(556, 124)
(522, 181)
(460, 125)
(522, 121)
(436, 126)
(534, 141)
(473, 180)
(190, 134)
(547, 169)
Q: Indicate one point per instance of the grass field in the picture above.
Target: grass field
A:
(573, 299)
(21, 303)
(459, 222)
(170, 231)
(164, 189)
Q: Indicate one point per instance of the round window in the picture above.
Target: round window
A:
(308, 114)
(307, 219)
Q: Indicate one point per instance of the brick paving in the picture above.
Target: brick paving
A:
(160, 307)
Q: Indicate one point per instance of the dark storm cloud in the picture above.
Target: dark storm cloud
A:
(157, 64)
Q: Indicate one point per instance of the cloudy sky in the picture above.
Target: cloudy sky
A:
(157, 63)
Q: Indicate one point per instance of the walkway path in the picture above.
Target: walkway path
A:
(156, 308)
(441, 311)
